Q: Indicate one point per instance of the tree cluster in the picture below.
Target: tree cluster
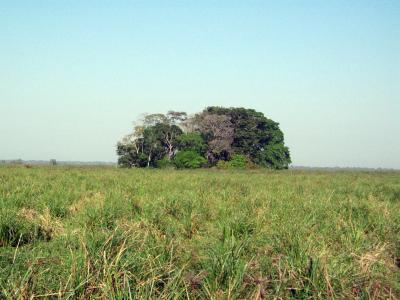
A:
(216, 136)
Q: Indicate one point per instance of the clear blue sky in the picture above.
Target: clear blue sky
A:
(75, 74)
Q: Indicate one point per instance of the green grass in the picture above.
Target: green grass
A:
(71, 232)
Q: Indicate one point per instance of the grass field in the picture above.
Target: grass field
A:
(72, 232)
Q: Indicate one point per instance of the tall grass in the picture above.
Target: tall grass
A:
(71, 232)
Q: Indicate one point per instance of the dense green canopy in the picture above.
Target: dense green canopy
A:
(216, 134)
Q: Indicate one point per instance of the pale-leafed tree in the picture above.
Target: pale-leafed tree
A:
(153, 119)
(191, 124)
(135, 139)
(176, 117)
(219, 135)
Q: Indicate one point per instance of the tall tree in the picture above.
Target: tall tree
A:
(151, 140)
(255, 136)
(167, 134)
(176, 117)
(218, 132)
(192, 141)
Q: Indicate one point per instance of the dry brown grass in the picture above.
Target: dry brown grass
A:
(95, 200)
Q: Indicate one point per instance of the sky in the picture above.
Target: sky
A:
(74, 75)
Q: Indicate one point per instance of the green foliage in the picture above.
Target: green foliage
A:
(108, 233)
(237, 161)
(274, 156)
(129, 157)
(223, 164)
(165, 163)
(192, 141)
(189, 159)
(156, 142)
(255, 134)
(215, 134)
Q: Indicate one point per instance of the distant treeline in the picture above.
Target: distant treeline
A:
(218, 136)
(54, 162)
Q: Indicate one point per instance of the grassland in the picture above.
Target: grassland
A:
(70, 232)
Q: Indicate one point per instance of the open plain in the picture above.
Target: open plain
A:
(103, 232)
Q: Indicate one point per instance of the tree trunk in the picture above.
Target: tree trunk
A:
(170, 152)
(148, 159)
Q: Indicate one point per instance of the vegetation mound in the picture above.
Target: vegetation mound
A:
(212, 137)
